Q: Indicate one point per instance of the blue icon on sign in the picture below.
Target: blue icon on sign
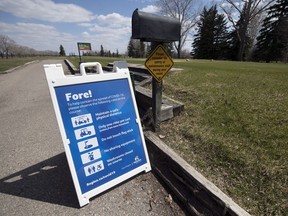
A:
(94, 168)
(81, 121)
(91, 156)
(85, 132)
(91, 170)
(99, 167)
(87, 145)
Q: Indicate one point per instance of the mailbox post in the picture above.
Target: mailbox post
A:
(157, 88)
(157, 30)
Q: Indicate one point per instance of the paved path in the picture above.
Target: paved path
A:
(34, 174)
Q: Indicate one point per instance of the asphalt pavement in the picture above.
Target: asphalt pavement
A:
(34, 174)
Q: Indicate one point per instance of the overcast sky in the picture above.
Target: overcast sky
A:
(45, 24)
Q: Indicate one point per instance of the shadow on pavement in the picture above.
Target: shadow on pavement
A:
(48, 181)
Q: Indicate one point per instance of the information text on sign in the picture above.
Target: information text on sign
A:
(101, 126)
(159, 63)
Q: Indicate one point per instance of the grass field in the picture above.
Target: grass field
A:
(6, 64)
(234, 128)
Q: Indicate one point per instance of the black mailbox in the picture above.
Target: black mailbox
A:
(154, 28)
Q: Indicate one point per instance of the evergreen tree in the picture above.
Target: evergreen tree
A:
(211, 39)
(272, 43)
(101, 51)
(202, 40)
(62, 51)
(131, 48)
(136, 48)
(220, 34)
(234, 44)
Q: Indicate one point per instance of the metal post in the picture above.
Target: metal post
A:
(79, 54)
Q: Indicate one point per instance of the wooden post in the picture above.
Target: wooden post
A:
(156, 103)
(156, 97)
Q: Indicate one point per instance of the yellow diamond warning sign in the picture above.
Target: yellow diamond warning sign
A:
(159, 63)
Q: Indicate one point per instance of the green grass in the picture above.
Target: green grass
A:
(235, 128)
(6, 64)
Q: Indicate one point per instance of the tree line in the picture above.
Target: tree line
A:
(213, 39)
(102, 53)
(245, 30)
(9, 48)
(140, 49)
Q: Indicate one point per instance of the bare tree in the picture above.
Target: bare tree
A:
(22, 51)
(253, 31)
(6, 44)
(247, 10)
(10, 47)
(186, 13)
(15, 50)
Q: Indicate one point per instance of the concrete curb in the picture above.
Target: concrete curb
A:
(20, 66)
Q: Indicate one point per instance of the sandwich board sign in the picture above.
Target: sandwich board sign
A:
(100, 127)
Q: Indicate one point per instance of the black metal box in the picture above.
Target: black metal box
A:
(154, 28)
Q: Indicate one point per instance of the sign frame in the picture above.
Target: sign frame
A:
(162, 63)
(56, 78)
(84, 46)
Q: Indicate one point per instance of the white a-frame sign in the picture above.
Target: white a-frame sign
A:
(99, 125)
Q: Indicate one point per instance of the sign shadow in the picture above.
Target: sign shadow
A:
(48, 181)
